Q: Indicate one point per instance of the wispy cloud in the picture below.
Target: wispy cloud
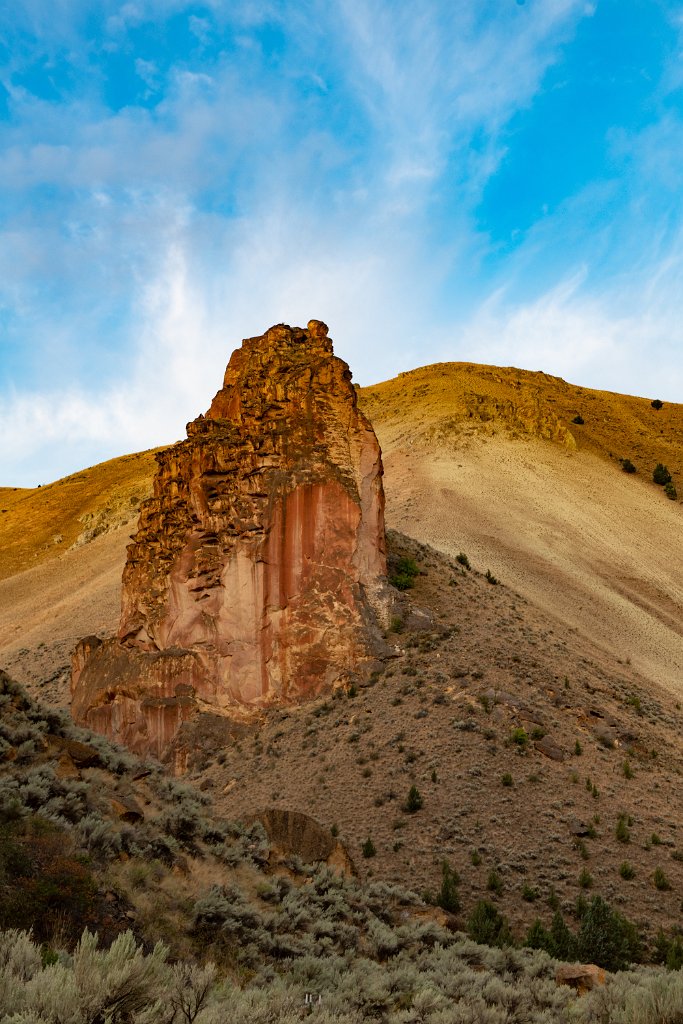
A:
(284, 161)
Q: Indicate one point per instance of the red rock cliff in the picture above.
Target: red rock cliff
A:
(256, 574)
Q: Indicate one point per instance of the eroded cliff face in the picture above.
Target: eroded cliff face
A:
(257, 571)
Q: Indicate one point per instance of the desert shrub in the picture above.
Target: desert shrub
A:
(43, 884)
(622, 831)
(661, 474)
(491, 578)
(115, 985)
(462, 559)
(656, 404)
(660, 880)
(520, 737)
(579, 420)
(98, 837)
(670, 490)
(627, 466)
(488, 926)
(494, 883)
(627, 871)
(585, 879)
(403, 577)
(506, 779)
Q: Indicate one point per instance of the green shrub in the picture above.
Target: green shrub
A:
(529, 894)
(488, 926)
(670, 490)
(660, 880)
(506, 779)
(657, 404)
(491, 578)
(494, 883)
(578, 749)
(627, 871)
(627, 466)
(519, 736)
(463, 560)
(622, 831)
(627, 770)
(661, 474)
(475, 857)
(579, 420)
(586, 879)
(403, 577)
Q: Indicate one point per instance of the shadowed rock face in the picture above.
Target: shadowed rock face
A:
(257, 571)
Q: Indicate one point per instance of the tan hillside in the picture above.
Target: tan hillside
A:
(487, 461)
(580, 642)
(37, 524)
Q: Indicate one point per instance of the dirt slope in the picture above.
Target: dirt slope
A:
(38, 524)
(488, 461)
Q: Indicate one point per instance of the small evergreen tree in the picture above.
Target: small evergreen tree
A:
(414, 801)
(661, 475)
(448, 898)
(487, 925)
(368, 848)
(563, 942)
(538, 937)
(607, 938)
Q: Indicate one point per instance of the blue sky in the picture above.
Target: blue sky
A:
(487, 180)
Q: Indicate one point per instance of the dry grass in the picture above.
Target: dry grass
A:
(37, 524)
(488, 460)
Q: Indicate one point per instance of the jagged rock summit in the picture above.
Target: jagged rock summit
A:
(258, 571)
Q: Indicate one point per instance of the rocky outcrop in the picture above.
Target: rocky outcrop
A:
(257, 573)
(292, 832)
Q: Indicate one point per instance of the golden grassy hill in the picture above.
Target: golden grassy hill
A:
(477, 458)
(488, 461)
(36, 524)
(447, 402)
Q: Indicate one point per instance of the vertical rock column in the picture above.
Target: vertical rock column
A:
(257, 573)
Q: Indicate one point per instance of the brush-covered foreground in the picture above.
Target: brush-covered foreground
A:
(202, 919)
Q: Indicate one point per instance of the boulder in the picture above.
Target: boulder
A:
(582, 977)
(257, 574)
(292, 832)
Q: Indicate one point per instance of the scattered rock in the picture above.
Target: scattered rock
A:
(126, 808)
(549, 748)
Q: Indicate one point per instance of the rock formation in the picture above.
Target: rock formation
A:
(257, 571)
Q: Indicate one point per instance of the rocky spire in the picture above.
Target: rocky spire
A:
(257, 571)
